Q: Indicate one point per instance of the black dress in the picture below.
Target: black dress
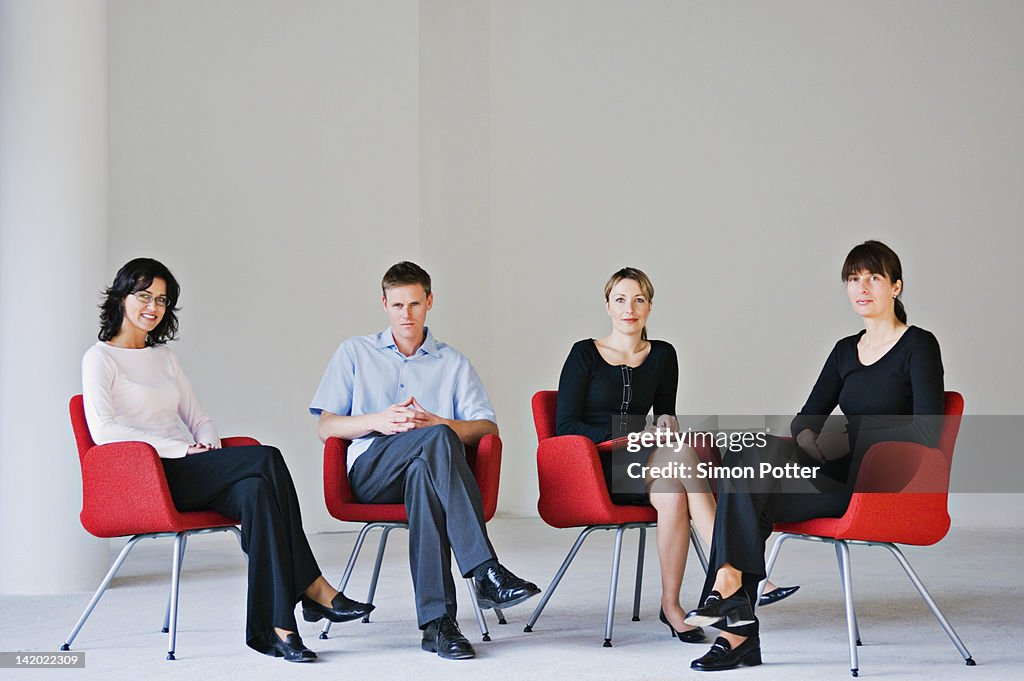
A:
(604, 402)
(907, 381)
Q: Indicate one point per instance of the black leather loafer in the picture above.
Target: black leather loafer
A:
(499, 588)
(735, 610)
(722, 656)
(776, 595)
(442, 636)
(291, 649)
(343, 609)
(695, 635)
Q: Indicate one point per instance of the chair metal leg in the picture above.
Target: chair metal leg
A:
(500, 615)
(932, 605)
(641, 547)
(179, 547)
(480, 619)
(376, 567)
(613, 587)
(842, 581)
(167, 611)
(772, 557)
(348, 568)
(843, 556)
(100, 591)
(558, 576)
(699, 549)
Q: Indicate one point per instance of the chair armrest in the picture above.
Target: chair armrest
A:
(900, 495)
(902, 467)
(487, 471)
(572, 486)
(124, 488)
(239, 441)
(337, 491)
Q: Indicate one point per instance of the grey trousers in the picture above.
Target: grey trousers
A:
(426, 469)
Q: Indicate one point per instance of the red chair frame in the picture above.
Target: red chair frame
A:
(569, 468)
(914, 512)
(484, 460)
(125, 492)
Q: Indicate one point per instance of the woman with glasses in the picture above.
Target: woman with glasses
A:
(135, 389)
(606, 389)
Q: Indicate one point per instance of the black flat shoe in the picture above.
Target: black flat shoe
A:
(442, 636)
(695, 635)
(735, 610)
(776, 595)
(292, 649)
(343, 609)
(722, 656)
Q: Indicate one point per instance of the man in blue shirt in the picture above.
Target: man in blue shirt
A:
(409, 404)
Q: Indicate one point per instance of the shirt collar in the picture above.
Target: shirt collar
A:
(386, 339)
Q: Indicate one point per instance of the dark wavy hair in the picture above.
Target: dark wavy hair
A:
(877, 258)
(137, 275)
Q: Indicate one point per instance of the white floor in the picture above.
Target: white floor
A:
(972, 574)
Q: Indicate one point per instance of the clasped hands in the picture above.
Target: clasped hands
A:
(405, 416)
(823, 447)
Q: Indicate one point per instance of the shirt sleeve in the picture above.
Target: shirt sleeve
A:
(98, 373)
(334, 395)
(572, 397)
(196, 420)
(823, 399)
(471, 401)
(668, 385)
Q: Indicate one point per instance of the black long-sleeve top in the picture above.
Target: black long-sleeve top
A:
(594, 397)
(906, 380)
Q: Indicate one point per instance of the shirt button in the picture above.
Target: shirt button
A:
(401, 385)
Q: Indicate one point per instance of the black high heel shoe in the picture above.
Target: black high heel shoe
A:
(776, 595)
(735, 610)
(692, 636)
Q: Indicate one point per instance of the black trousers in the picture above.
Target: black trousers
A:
(426, 469)
(253, 484)
(747, 509)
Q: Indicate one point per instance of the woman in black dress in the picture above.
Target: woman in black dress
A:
(607, 388)
(888, 369)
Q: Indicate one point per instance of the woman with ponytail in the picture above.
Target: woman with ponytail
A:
(888, 369)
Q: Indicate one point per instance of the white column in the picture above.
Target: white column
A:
(53, 262)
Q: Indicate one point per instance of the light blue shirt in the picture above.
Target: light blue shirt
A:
(367, 374)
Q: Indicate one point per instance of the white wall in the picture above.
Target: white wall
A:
(279, 156)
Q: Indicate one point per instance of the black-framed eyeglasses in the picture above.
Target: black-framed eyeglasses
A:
(147, 298)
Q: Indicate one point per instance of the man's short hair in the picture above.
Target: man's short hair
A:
(405, 273)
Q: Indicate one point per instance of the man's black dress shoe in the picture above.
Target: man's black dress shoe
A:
(292, 649)
(442, 636)
(735, 610)
(777, 595)
(722, 656)
(499, 588)
(691, 636)
(343, 609)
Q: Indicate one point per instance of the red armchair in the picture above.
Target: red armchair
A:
(573, 493)
(124, 492)
(485, 462)
(911, 510)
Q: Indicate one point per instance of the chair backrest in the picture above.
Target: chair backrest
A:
(545, 407)
(951, 424)
(83, 438)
